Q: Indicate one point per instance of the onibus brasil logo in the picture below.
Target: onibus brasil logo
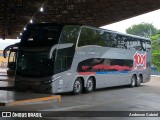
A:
(140, 61)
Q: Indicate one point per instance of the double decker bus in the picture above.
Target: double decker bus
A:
(57, 58)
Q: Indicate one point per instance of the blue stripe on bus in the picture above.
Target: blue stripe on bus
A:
(112, 72)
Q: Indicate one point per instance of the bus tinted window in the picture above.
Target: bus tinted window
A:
(138, 44)
(121, 41)
(91, 36)
(135, 43)
(70, 34)
(109, 39)
(148, 45)
(40, 36)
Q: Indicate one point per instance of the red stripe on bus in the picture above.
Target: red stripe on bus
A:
(87, 73)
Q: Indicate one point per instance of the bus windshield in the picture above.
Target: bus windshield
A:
(35, 62)
(41, 36)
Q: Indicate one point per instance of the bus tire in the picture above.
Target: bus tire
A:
(89, 85)
(77, 86)
(138, 81)
(133, 81)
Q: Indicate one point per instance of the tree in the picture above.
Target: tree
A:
(143, 30)
(148, 30)
(156, 50)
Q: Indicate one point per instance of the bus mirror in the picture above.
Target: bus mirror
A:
(59, 46)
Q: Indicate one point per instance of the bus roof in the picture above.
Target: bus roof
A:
(63, 24)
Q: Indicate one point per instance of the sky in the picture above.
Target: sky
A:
(5, 43)
(151, 17)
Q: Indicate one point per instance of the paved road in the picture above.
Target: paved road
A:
(144, 98)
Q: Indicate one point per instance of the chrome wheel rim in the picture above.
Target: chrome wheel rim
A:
(77, 86)
(139, 80)
(133, 81)
(89, 84)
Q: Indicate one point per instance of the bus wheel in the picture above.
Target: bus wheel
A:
(133, 81)
(90, 85)
(138, 81)
(77, 86)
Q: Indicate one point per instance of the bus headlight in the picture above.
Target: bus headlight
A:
(54, 79)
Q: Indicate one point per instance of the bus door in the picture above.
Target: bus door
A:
(64, 56)
(12, 62)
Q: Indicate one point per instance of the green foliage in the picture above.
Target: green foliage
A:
(156, 50)
(143, 30)
(149, 31)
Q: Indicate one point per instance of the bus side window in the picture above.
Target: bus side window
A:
(121, 41)
(91, 36)
(70, 34)
(137, 44)
(87, 37)
(148, 45)
(144, 45)
(100, 40)
(109, 39)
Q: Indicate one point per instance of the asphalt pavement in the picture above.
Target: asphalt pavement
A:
(143, 98)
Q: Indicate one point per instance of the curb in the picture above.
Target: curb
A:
(155, 75)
